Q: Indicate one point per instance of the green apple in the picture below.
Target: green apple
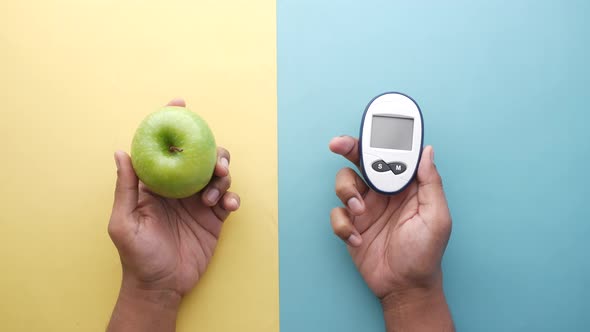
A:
(173, 152)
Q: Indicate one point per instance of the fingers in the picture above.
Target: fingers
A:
(221, 181)
(177, 102)
(346, 146)
(431, 196)
(229, 203)
(222, 165)
(343, 227)
(216, 189)
(126, 190)
(350, 189)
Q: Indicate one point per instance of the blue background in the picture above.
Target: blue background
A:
(503, 86)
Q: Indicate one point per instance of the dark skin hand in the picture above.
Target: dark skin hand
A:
(164, 244)
(397, 242)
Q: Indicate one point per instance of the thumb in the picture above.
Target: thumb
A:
(431, 197)
(126, 191)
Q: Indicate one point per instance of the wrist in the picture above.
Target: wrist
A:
(151, 300)
(411, 296)
(141, 308)
(133, 290)
(422, 308)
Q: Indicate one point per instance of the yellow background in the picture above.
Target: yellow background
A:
(76, 78)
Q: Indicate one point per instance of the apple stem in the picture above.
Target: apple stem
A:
(174, 149)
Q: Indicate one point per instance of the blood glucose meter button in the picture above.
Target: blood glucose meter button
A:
(381, 166)
(397, 167)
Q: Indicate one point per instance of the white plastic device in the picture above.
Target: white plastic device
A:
(390, 143)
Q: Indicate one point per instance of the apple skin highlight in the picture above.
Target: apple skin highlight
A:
(174, 152)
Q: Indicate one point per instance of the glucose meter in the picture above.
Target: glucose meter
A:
(390, 143)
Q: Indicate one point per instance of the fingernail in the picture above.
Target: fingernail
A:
(432, 154)
(349, 145)
(355, 205)
(224, 162)
(178, 101)
(117, 162)
(354, 240)
(212, 195)
(235, 202)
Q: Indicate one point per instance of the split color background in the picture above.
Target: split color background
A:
(503, 86)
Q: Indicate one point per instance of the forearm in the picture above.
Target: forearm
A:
(418, 310)
(144, 310)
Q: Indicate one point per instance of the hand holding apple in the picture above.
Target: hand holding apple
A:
(165, 244)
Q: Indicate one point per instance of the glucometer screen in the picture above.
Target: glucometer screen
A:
(389, 132)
